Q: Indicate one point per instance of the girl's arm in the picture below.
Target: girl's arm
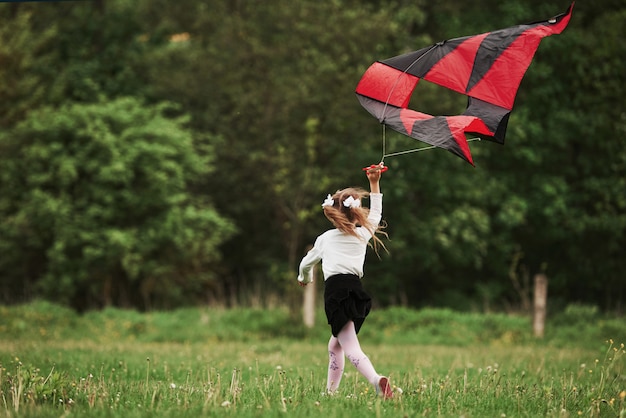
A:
(373, 175)
(376, 198)
(305, 270)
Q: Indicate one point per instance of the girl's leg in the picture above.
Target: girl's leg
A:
(336, 362)
(350, 343)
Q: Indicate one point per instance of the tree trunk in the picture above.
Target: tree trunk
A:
(540, 304)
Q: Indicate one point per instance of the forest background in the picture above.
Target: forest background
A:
(158, 154)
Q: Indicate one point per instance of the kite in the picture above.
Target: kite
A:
(487, 68)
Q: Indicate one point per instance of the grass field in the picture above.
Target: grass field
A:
(256, 363)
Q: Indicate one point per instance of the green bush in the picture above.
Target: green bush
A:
(397, 325)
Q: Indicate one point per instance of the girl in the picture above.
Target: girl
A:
(342, 253)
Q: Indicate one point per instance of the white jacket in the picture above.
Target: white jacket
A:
(341, 253)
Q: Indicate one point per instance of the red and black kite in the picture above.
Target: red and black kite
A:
(488, 68)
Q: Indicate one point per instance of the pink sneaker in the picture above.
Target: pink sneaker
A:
(383, 388)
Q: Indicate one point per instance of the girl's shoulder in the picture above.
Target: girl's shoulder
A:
(329, 235)
(330, 232)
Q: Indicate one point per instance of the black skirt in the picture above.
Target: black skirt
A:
(345, 300)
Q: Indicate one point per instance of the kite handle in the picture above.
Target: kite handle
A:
(376, 166)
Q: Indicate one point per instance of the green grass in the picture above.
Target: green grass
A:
(256, 363)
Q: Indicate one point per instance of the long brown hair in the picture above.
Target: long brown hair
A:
(346, 218)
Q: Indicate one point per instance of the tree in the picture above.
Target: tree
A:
(550, 201)
(96, 208)
(278, 83)
(269, 93)
(23, 62)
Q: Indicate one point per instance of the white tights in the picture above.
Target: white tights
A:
(346, 343)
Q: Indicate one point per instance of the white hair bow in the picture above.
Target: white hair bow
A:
(329, 201)
(351, 202)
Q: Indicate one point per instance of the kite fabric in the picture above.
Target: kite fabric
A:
(488, 68)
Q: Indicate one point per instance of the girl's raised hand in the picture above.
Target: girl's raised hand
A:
(374, 171)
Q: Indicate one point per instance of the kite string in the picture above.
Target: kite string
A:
(382, 116)
(382, 160)
(418, 149)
